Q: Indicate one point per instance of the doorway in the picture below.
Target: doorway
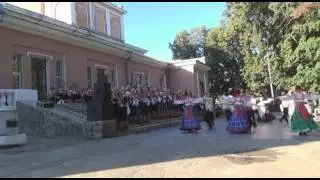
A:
(39, 76)
(102, 75)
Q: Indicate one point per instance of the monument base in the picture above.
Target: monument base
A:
(17, 139)
(122, 126)
(109, 128)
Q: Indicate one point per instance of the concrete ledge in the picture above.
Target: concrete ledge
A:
(154, 126)
(17, 139)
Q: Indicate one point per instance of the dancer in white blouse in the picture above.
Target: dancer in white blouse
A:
(301, 121)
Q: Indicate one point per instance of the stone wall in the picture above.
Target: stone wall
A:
(52, 122)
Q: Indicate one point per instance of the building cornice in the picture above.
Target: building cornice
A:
(115, 7)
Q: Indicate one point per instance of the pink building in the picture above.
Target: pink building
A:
(60, 44)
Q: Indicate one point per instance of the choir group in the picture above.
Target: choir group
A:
(240, 109)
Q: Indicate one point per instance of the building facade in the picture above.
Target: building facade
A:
(63, 44)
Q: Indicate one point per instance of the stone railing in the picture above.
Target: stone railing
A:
(9, 97)
(8, 104)
(9, 122)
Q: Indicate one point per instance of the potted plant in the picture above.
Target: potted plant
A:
(12, 127)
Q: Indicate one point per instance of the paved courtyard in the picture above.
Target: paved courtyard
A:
(270, 152)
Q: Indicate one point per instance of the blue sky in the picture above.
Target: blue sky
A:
(152, 25)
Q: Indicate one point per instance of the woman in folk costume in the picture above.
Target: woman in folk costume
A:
(239, 120)
(301, 120)
(189, 122)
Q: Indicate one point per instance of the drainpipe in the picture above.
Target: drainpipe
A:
(2, 11)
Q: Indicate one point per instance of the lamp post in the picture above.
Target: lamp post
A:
(270, 78)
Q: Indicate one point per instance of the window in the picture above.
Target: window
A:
(59, 75)
(17, 71)
(89, 77)
(138, 79)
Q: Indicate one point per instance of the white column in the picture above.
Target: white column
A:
(108, 22)
(64, 71)
(205, 82)
(73, 13)
(122, 27)
(165, 80)
(117, 80)
(150, 80)
(91, 25)
(198, 88)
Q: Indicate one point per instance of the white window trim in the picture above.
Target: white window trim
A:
(91, 80)
(61, 75)
(108, 28)
(46, 58)
(198, 84)
(64, 71)
(73, 13)
(122, 27)
(205, 82)
(91, 25)
(117, 80)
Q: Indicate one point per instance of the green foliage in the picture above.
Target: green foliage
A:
(287, 34)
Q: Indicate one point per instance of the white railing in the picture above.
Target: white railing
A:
(9, 97)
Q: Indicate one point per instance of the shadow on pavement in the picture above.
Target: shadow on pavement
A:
(155, 147)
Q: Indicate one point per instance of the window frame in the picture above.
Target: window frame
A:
(61, 76)
(89, 81)
(14, 73)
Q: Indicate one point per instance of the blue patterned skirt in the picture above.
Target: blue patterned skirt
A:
(239, 123)
(189, 122)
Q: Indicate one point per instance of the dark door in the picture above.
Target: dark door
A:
(39, 76)
(101, 76)
(201, 88)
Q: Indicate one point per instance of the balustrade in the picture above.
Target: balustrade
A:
(9, 97)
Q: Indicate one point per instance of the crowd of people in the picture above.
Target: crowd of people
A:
(131, 103)
(136, 104)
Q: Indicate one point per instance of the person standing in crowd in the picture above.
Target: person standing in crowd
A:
(301, 121)
(208, 105)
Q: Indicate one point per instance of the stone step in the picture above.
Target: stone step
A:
(154, 126)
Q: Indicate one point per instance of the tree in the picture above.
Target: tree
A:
(189, 45)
